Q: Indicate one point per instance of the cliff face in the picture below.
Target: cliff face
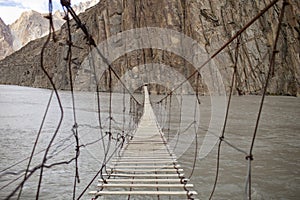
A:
(6, 40)
(210, 23)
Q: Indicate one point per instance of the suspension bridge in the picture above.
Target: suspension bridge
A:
(143, 166)
(146, 165)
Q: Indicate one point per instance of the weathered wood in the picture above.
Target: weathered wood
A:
(145, 166)
(143, 193)
(145, 159)
(146, 154)
(146, 170)
(146, 162)
(135, 180)
(143, 185)
(144, 175)
(147, 142)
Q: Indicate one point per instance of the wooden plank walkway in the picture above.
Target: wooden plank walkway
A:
(147, 166)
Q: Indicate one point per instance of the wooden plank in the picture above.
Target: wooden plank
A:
(141, 180)
(145, 159)
(147, 170)
(99, 193)
(145, 162)
(161, 149)
(145, 166)
(148, 156)
(149, 161)
(143, 185)
(145, 175)
(147, 142)
(152, 137)
(132, 148)
(145, 152)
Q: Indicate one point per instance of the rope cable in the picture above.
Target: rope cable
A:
(179, 123)
(221, 138)
(36, 141)
(270, 69)
(197, 102)
(110, 149)
(75, 126)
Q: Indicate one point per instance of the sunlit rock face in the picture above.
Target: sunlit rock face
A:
(31, 25)
(6, 40)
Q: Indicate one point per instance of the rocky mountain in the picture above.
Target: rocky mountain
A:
(82, 6)
(209, 22)
(6, 40)
(30, 26)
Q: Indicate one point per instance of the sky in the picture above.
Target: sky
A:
(10, 10)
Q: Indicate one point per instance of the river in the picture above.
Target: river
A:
(275, 168)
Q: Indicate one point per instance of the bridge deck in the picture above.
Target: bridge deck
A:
(146, 167)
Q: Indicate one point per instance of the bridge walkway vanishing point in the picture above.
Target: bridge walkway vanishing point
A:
(146, 166)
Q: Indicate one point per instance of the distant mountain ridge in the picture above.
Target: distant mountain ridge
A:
(30, 26)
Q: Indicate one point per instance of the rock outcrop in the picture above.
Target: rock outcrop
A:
(6, 40)
(30, 26)
(210, 23)
(82, 6)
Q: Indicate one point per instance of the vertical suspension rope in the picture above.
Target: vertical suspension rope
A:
(250, 157)
(169, 117)
(75, 126)
(180, 119)
(35, 143)
(271, 67)
(92, 63)
(110, 99)
(57, 96)
(221, 138)
(166, 107)
(197, 102)
(130, 116)
(124, 110)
